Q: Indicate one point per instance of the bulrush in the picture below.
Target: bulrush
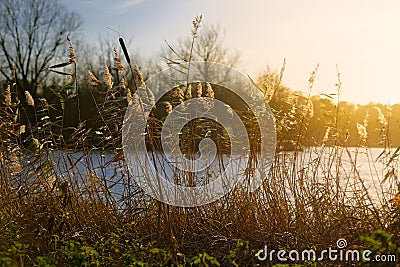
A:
(121, 42)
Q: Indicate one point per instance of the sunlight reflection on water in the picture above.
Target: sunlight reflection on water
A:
(318, 164)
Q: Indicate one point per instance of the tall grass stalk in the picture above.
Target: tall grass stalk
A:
(59, 206)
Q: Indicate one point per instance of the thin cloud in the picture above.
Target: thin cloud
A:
(128, 3)
(113, 8)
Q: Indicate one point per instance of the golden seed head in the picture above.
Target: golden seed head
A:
(381, 118)
(22, 129)
(196, 25)
(208, 91)
(199, 90)
(29, 99)
(72, 56)
(7, 97)
(44, 102)
(362, 132)
(117, 63)
(188, 93)
(139, 75)
(36, 142)
(128, 96)
(326, 135)
(93, 79)
(107, 79)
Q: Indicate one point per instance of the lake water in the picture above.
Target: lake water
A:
(358, 169)
(370, 172)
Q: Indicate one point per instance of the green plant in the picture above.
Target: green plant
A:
(205, 260)
(380, 243)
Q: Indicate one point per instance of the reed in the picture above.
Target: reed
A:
(82, 207)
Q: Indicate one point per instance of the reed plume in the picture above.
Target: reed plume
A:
(29, 99)
(7, 97)
(93, 79)
(107, 78)
(72, 56)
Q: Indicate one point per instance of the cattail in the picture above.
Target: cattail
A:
(29, 99)
(107, 79)
(92, 79)
(72, 56)
(121, 42)
(7, 97)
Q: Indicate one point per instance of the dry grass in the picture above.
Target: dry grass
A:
(310, 199)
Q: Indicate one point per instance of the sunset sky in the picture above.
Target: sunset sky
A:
(362, 37)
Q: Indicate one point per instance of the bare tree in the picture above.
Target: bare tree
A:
(32, 34)
(207, 44)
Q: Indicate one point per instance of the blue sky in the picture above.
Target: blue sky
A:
(362, 37)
